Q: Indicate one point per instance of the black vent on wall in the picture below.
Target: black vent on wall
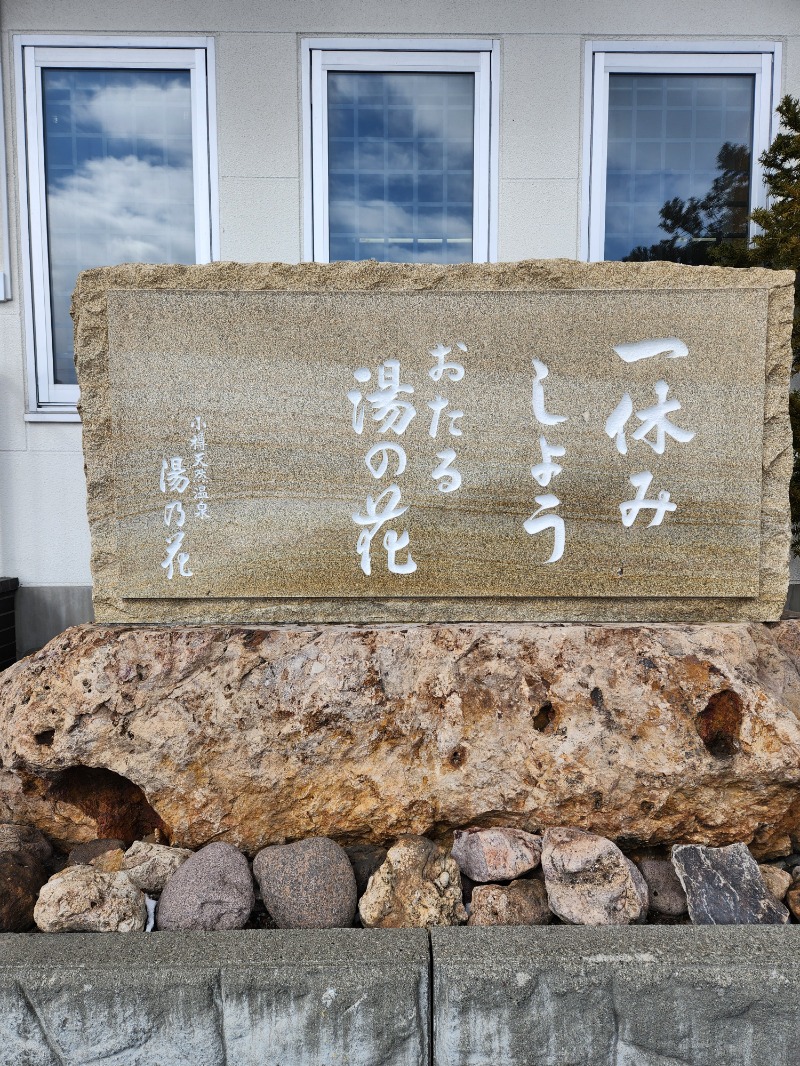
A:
(8, 635)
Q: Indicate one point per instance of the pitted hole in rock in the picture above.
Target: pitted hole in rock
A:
(597, 698)
(543, 718)
(458, 756)
(720, 724)
(117, 805)
(45, 738)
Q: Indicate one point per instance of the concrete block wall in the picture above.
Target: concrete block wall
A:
(546, 996)
(44, 537)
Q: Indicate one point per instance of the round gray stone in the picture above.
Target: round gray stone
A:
(307, 885)
(211, 890)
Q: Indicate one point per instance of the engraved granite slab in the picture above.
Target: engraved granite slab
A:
(364, 442)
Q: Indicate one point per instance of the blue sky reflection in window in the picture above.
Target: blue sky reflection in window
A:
(401, 166)
(119, 183)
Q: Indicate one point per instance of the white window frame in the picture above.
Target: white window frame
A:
(320, 55)
(5, 228)
(603, 58)
(48, 401)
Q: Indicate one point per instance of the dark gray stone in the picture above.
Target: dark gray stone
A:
(307, 885)
(212, 890)
(253, 998)
(621, 996)
(21, 877)
(17, 837)
(724, 886)
(82, 854)
(365, 860)
(665, 891)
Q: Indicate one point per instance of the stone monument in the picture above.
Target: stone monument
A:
(368, 443)
(443, 462)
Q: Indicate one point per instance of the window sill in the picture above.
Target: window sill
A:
(52, 416)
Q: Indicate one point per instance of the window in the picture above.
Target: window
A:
(401, 150)
(117, 168)
(676, 137)
(5, 247)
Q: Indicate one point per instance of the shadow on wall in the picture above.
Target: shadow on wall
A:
(44, 611)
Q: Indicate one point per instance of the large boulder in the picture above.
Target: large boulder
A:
(520, 903)
(646, 734)
(496, 854)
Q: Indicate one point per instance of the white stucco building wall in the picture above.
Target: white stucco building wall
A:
(543, 127)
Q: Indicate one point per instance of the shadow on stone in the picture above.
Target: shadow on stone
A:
(119, 807)
(720, 723)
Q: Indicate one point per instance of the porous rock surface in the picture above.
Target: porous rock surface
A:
(150, 866)
(81, 899)
(777, 881)
(496, 854)
(646, 734)
(665, 892)
(520, 903)
(589, 881)
(724, 886)
(211, 890)
(307, 885)
(418, 885)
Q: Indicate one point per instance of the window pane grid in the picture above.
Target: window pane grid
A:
(672, 138)
(119, 183)
(401, 166)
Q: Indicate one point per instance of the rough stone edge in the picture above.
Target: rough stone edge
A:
(777, 455)
(90, 314)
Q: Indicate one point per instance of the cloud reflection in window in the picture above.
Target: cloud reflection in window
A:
(119, 183)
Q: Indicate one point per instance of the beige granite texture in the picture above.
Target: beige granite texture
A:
(264, 355)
